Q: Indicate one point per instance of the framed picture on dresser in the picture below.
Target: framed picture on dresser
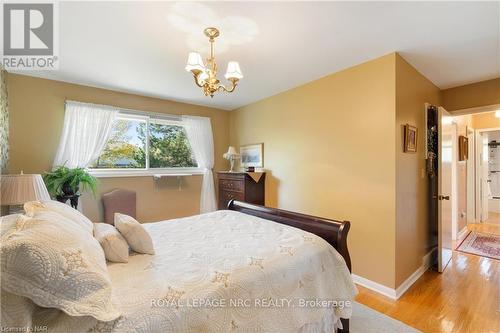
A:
(252, 155)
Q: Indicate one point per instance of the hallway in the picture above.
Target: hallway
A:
(490, 226)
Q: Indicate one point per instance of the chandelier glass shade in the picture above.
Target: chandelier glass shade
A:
(205, 75)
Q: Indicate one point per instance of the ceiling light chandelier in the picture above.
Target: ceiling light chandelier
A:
(205, 77)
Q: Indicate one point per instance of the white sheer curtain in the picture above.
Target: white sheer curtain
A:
(86, 130)
(199, 133)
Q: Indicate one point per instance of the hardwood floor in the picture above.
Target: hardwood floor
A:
(493, 218)
(465, 298)
(485, 227)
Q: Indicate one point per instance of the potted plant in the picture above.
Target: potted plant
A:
(64, 181)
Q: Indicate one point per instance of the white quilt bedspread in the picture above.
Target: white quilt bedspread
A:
(224, 272)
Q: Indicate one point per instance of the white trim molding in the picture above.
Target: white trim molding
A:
(479, 109)
(375, 286)
(462, 233)
(111, 173)
(426, 263)
(403, 287)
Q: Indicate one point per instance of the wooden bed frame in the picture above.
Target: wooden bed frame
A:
(334, 232)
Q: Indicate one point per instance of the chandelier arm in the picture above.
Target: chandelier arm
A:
(222, 88)
(233, 86)
(196, 76)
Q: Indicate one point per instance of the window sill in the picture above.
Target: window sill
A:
(180, 172)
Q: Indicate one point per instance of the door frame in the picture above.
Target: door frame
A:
(471, 176)
(477, 163)
(454, 179)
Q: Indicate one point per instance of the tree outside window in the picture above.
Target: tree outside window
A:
(126, 149)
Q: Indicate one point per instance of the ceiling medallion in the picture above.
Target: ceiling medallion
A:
(205, 77)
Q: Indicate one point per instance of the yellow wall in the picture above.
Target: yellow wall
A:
(330, 148)
(36, 116)
(413, 90)
(472, 95)
(485, 120)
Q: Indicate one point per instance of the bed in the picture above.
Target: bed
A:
(333, 231)
(248, 268)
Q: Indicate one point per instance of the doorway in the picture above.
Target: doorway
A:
(464, 190)
(488, 179)
(482, 175)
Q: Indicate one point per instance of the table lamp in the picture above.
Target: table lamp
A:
(18, 189)
(232, 156)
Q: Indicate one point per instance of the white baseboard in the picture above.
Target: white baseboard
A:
(462, 234)
(426, 263)
(403, 287)
(375, 286)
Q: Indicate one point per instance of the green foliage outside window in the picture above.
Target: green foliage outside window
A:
(168, 146)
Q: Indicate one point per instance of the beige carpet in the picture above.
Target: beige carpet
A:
(481, 244)
(367, 320)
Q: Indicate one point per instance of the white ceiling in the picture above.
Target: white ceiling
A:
(141, 47)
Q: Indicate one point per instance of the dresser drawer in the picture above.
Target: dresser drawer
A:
(226, 196)
(240, 186)
(229, 195)
(232, 185)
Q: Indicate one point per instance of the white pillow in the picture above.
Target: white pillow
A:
(17, 311)
(65, 210)
(135, 234)
(114, 245)
(9, 222)
(57, 264)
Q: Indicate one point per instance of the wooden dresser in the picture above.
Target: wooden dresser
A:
(240, 186)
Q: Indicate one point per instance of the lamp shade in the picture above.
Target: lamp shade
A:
(233, 71)
(18, 189)
(231, 151)
(195, 62)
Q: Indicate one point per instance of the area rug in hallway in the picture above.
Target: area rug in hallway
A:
(481, 244)
(367, 320)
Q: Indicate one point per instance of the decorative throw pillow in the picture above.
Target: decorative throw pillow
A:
(57, 264)
(67, 211)
(9, 222)
(135, 234)
(114, 245)
(17, 311)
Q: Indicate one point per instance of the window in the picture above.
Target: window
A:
(145, 143)
(169, 146)
(126, 147)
